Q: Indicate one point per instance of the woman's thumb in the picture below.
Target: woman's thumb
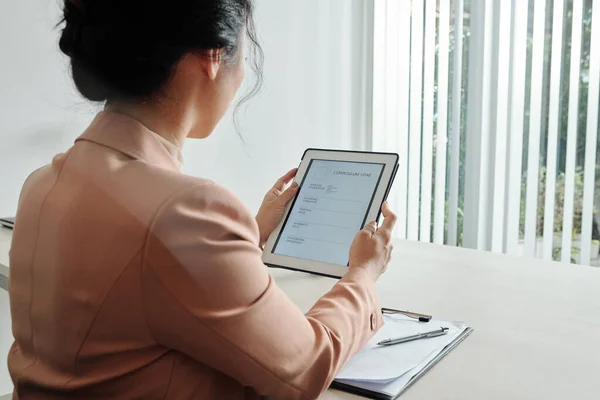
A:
(289, 194)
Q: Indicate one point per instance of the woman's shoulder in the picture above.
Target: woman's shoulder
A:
(201, 191)
(203, 201)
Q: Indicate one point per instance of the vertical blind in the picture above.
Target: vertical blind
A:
(492, 106)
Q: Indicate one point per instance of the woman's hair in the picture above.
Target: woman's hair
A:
(128, 49)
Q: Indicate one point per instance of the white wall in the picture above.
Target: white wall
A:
(40, 114)
(316, 94)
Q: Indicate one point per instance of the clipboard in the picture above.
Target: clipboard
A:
(394, 388)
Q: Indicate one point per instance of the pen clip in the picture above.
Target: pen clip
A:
(440, 332)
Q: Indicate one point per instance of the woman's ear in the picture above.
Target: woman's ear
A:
(212, 62)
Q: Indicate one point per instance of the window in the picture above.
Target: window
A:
(493, 108)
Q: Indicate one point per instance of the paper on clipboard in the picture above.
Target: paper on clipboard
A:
(384, 364)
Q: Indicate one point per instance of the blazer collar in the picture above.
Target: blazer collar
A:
(128, 136)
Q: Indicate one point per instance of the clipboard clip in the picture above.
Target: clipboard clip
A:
(410, 314)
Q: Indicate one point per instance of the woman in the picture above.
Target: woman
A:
(131, 280)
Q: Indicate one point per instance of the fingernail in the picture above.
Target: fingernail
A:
(295, 185)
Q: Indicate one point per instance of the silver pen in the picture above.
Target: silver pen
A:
(424, 335)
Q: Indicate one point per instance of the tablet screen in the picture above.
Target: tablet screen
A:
(329, 210)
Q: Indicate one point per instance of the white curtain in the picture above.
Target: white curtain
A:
(493, 108)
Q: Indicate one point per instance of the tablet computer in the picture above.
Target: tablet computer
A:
(340, 192)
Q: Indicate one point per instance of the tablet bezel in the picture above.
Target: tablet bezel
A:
(390, 161)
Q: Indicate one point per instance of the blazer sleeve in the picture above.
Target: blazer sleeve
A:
(208, 295)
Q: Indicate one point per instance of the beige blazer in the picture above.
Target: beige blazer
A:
(130, 280)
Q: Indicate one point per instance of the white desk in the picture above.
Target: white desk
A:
(537, 324)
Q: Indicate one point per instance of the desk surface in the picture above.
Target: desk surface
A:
(537, 323)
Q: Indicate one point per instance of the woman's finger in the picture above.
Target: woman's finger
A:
(285, 180)
(288, 195)
(388, 223)
(371, 228)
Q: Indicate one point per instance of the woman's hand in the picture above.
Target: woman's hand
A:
(273, 206)
(372, 247)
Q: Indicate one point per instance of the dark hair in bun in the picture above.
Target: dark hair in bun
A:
(127, 49)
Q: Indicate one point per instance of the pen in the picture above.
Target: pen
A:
(410, 314)
(425, 335)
